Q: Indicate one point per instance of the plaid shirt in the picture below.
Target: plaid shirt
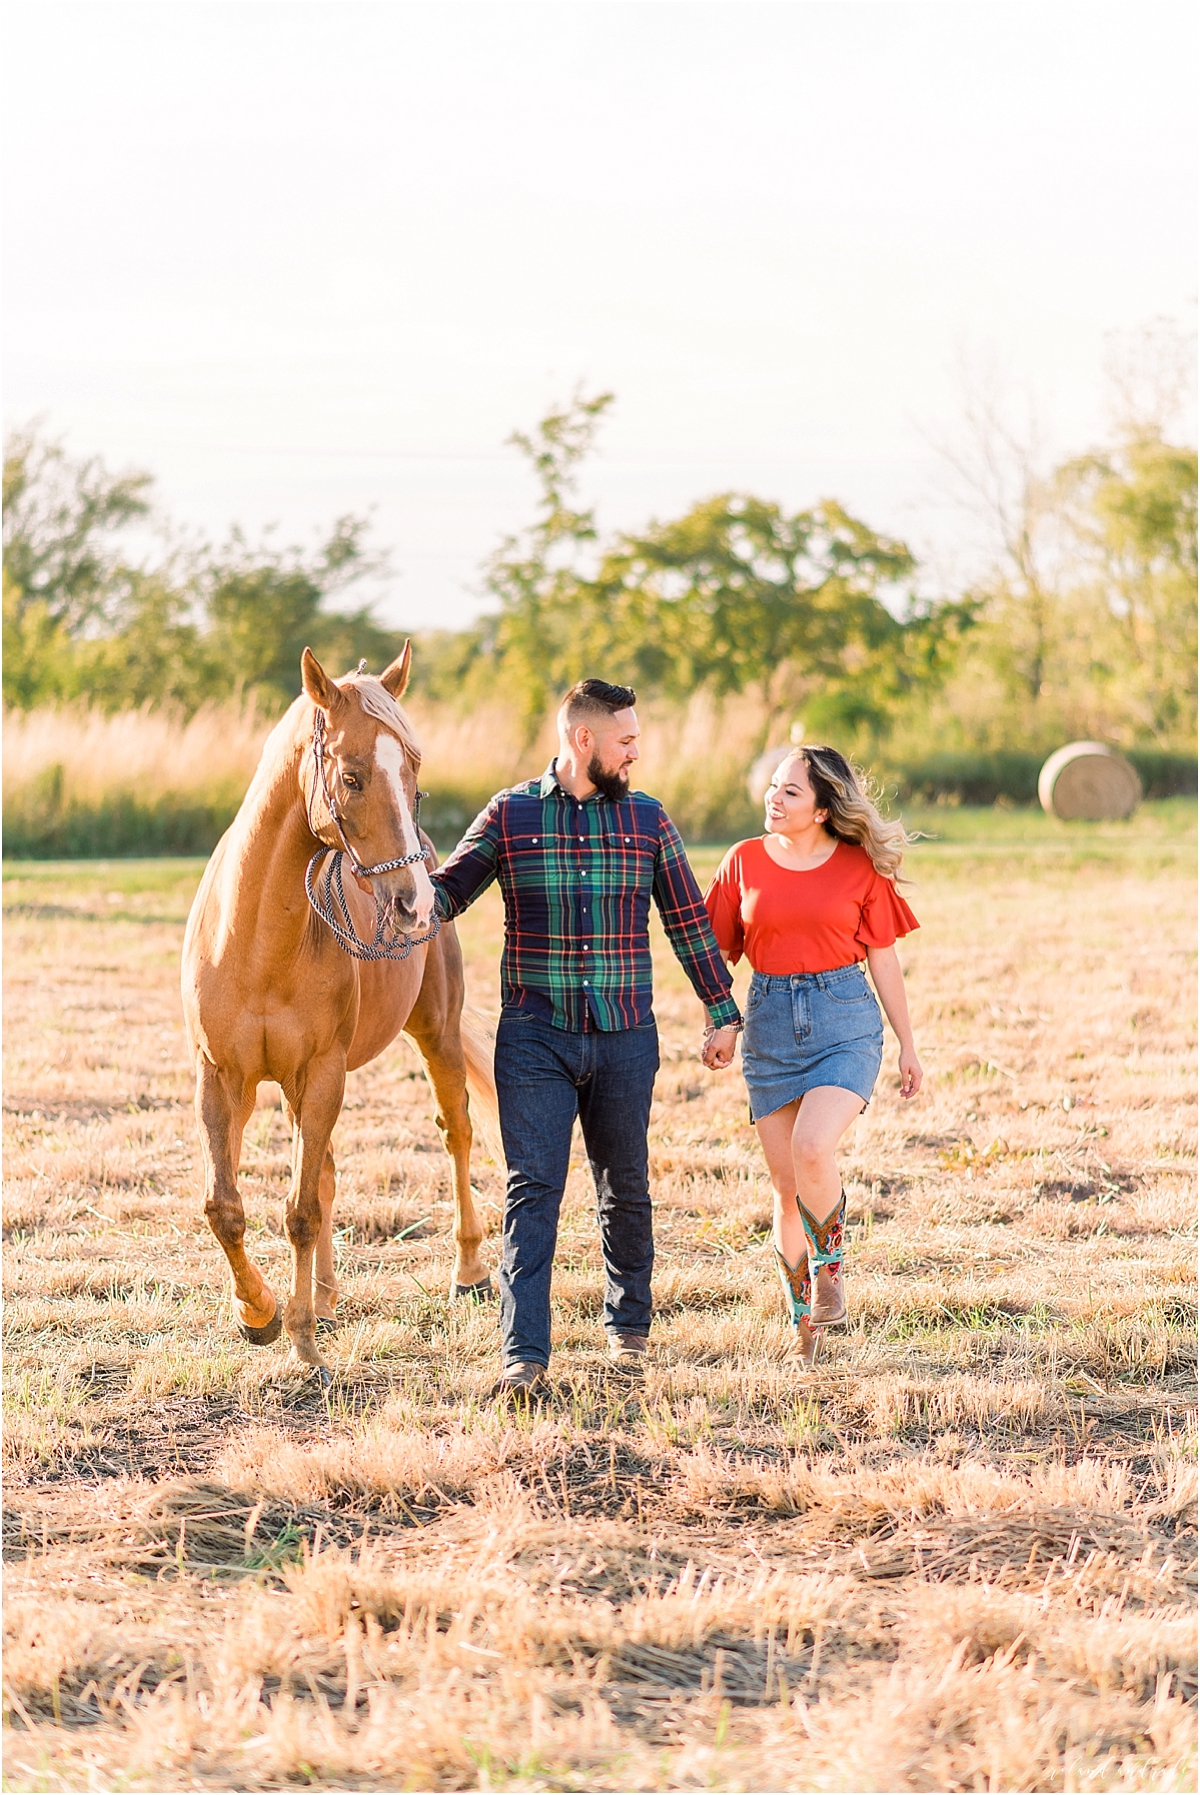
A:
(577, 877)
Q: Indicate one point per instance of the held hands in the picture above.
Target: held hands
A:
(910, 1072)
(718, 1049)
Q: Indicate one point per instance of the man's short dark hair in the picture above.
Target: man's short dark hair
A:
(594, 698)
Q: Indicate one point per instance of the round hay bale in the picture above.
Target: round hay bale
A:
(1089, 780)
(762, 771)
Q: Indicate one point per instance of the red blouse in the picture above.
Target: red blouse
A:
(785, 921)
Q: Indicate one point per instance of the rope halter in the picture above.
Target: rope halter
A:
(326, 892)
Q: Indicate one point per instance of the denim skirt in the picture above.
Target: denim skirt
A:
(805, 1029)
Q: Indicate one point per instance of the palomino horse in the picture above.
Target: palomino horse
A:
(283, 979)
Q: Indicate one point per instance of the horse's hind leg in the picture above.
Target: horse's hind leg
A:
(435, 1026)
(221, 1121)
(446, 1072)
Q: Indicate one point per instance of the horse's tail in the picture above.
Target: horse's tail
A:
(479, 1052)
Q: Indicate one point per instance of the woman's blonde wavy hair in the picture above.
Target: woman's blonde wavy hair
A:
(850, 814)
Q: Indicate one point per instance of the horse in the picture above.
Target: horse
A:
(283, 979)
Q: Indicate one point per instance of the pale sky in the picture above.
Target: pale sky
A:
(302, 259)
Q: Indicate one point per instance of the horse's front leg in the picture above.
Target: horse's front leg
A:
(221, 1119)
(325, 1293)
(325, 1290)
(318, 1109)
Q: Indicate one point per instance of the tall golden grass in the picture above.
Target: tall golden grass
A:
(151, 751)
(77, 780)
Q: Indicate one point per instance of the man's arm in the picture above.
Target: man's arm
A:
(473, 864)
(688, 929)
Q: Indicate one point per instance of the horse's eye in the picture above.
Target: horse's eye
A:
(352, 782)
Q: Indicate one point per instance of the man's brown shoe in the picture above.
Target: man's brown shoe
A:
(627, 1352)
(525, 1382)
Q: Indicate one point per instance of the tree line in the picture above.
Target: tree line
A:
(87, 618)
(1085, 621)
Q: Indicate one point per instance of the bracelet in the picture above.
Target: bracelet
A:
(713, 1028)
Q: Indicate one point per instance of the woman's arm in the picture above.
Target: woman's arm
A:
(723, 902)
(889, 982)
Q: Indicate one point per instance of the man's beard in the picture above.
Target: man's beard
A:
(613, 785)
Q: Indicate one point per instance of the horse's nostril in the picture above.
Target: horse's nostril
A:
(401, 914)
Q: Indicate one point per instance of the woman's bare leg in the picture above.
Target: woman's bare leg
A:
(775, 1132)
(791, 1242)
(800, 1142)
(822, 1118)
(825, 1115)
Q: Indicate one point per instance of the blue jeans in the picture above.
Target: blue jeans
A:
(546, 1077)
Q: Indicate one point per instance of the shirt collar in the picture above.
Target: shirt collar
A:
(551, 783)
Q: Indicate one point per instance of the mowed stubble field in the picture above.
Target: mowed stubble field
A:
(960, 1556)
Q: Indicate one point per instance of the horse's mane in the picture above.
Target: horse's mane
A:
(378, 702)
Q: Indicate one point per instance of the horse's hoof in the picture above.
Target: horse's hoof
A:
(328, 1324)
(263, 1336)
(475, 1293)
(323, 1376)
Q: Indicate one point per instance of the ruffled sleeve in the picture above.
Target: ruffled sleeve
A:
(885, 915)
(723, 901)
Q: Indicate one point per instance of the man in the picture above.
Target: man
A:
(579, 856)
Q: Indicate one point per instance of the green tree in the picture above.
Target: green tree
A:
(263, 606)
(65, 569)
(806, 608)
(740, 595)
(1087, 614)
(63, 524)
(82, 620)
(1131, 511)
(540, 576)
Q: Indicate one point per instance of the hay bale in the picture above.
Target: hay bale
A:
(1089, 780)
(760, 774)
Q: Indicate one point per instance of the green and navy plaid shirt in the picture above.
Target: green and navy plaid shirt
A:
(577, 877)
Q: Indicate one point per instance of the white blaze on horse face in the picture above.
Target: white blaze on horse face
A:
(389, 758)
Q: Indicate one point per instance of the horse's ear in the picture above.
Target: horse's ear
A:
(317, 683)
(395, 677)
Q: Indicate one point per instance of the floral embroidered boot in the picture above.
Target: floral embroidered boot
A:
(828, 1308)
(797, 1289)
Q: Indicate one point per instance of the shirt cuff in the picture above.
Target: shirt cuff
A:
(723, 1014)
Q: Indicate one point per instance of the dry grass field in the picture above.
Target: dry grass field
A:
(959, 1556)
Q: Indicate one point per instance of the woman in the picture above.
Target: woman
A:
(806, 903)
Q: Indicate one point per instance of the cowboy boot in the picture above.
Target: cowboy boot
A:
(825, 1265)
(797, 1290)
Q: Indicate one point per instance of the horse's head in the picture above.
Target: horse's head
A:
(360, 789)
